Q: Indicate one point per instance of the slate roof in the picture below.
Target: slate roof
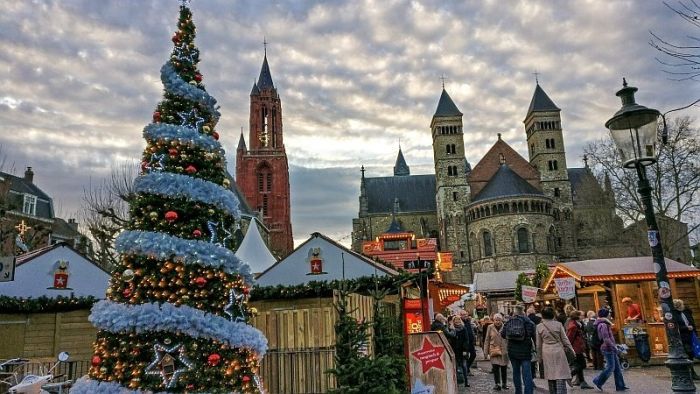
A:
(254, 91)
(446, 107)
(394, 227)
(61, 228)
(541, 102)
(401, 168)
(243, 205)
(44, 206)
(506, 183)
(576, 176)
(416, 193)
(487, 167)
(241, 143)
(265, 79)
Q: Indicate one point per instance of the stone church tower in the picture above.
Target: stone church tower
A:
(451, 170)
(262, 171)
(545, 143)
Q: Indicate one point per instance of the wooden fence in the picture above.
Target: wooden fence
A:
(300, 333)
(43, 335)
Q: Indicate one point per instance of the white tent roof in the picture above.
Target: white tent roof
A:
(253, 250)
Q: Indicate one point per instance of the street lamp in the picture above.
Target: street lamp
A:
(634, 131)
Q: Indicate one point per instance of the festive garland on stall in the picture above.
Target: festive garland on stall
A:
(362, 285)
(45, 304)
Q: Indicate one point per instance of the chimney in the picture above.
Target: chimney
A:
(29, 175)
(73, 224)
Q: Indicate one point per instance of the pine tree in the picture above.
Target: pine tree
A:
(175, 317)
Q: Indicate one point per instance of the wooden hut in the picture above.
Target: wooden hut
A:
(607, 281)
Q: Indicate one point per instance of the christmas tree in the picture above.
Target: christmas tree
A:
(175, 317)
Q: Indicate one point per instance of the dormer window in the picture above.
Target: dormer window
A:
(29, 206)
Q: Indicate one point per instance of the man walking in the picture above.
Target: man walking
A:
(520, 333)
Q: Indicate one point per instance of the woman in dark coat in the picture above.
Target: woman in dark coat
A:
(577, 337)
(686, 325)
(460, 343)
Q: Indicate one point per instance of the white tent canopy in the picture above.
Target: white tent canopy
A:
(253, 250)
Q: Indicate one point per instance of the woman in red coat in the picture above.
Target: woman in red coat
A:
(576, 335)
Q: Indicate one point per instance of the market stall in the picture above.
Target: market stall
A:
(628, 286)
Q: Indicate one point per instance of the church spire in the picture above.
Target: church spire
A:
(446, 107)
(241, 142)
(265, 78)
(401, 168)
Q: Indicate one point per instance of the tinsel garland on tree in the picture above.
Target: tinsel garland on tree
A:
(176, 315)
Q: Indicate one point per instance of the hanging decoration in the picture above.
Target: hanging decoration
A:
(166, 363)
(235, 300)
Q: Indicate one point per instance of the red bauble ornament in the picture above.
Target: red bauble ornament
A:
(127, 292)
(197, 233)
(200, 281)
(156, 116)
(215, 135)
(96, 360)
(213, 360)
(144, 165)
(176, 37)
(198, 77)
(191, 169)
(173, 152)
(171, 216)
(246, 290)
(246, 379)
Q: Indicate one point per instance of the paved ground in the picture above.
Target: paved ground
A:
(652, 380)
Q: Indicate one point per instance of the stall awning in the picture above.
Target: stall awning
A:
(619, 270)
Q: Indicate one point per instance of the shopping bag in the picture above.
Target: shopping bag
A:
(696, 345)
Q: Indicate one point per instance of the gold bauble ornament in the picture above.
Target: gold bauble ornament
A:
(128, 275)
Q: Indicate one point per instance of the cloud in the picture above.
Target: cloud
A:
(80, 80)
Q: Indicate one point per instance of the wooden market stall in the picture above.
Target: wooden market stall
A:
(608, 281)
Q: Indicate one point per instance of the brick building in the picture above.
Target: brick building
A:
(27, 219)
(506, 213)
(262, 171)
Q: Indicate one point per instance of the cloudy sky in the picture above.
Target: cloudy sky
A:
(79, 80)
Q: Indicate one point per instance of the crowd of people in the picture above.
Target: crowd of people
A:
(559, 345)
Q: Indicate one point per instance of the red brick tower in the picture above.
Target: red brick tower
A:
(262, 172)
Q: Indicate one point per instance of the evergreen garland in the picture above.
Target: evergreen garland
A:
(45, 304)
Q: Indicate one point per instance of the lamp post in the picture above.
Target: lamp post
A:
(634, 131)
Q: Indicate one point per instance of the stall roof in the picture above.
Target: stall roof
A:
(500, 281)
(619, 269)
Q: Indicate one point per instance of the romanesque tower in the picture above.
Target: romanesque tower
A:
(452, 189)
(262, 171)
(545, 143)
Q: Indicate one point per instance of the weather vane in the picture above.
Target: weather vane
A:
(443, 78)
(536, 74)
(265, 45)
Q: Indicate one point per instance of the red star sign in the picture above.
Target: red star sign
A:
(430, 356)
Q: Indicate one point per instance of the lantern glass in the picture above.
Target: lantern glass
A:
(635, 135)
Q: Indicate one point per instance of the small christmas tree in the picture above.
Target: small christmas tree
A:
(175, 317)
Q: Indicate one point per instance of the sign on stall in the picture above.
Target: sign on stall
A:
(566, 287)
(529, 293)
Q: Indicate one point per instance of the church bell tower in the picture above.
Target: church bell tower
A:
(262, 171)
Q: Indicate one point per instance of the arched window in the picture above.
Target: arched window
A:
(523, 244)
(551, 240)
(488, 246)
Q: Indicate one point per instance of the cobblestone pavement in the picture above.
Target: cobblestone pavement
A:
(652, 380)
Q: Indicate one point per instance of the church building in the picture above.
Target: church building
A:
(262, 171)
(507, 212)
